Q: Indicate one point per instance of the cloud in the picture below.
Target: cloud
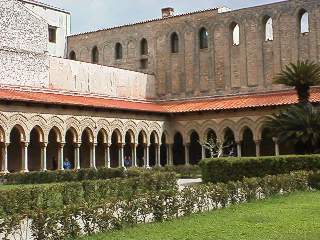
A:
(88, 15)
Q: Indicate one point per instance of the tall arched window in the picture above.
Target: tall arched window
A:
(118, 51)
(203, 37)
(268, 28)
(174, 43)
(304, 21)
(235, 34)
(95, 55)
(72, 55)
(144, 47)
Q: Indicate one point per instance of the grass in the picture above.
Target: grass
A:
(294, 217)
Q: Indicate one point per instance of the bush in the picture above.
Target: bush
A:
(314, 180)
(233, 169)
(62, 176)
(115, 213)
(56, 196)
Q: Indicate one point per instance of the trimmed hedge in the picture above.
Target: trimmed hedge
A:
(155, 206)
(62, 176)
(233, 169)
(57, 196)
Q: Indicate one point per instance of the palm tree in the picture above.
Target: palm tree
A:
(301, 76)
(298, 125)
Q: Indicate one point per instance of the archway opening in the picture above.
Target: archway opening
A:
(267, 146)
(178, 150)
(211, 140)
(85, 148)
(69, 148)
(101, 149)
(195, 149)
(248, 146)
(15, 150)
(53, 149)
(128, 148)
(229, 144)
(115, 149)
(141, 149)
(153, 149)
(164, 151)
(34, 150)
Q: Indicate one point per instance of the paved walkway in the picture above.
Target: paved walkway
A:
(188, 182)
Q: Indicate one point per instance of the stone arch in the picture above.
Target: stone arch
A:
(178, 149)
(235, 31)
(130, 126)
(206, 127)
(259, 126)
(241, 126)
(75, 134)
(203, 37)
(88, 123)
(16, 149)
(73, 123)
(223, 126)
(55, 122)
(143, 126)
(117, 125)
(267, 27)
(116, 140)
(155, 126)
(303, 18)
(40, 122)
(189, 128)
(20, 121)
(105, 125)
(40, 131)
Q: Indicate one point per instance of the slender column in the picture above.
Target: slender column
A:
(134, 155)
(77, 156)
(121, 157)
(276, 146)
(239, 150)
(203, 152)
(93, 155)
(170, 154)
(60, 157)
(44, 157)
(25, 157)
(107, 155)
(158, 162)
(4, 167)
(186, 153)
(257, 142)
(147, 160)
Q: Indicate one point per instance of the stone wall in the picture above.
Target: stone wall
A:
(220, 69)
(23, 46)
(95, 79)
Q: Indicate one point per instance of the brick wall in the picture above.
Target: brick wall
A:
(222, 68)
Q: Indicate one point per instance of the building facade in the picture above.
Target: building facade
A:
(152, 91)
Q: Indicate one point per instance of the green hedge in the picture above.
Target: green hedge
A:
(86, 219)
(62, 176)
(57, 196)
(233, 169)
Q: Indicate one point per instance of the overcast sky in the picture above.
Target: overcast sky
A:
(90, 15)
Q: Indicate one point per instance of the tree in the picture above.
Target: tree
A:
(301, 76)
(298, 125)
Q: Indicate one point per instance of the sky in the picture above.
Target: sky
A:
(89, 15)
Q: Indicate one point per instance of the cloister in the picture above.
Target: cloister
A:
(34, 143)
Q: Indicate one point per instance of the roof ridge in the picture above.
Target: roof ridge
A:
(145, 21)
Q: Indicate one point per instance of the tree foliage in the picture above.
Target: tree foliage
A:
(301, 76)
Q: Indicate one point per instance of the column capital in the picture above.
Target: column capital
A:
(107, 145)
(25, 144)
(275, 140)
(77, 145)
(44, 144)
(257, 141)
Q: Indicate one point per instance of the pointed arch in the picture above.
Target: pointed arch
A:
(95, 55)
(203, 38)
(268, 28)
(303, 21)
(235, 30)
(174, 41)
(118, 51)
(144, 47)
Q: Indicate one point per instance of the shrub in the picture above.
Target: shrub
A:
(62, 176)
(59, 195)
(314, 180)
(233, 169)
(115, 213)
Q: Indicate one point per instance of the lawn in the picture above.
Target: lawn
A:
(294, 217)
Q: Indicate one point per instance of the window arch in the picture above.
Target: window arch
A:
(235, 29)
(144, 47)
(268, 28)
(72, 55)
(118, 49)
(304, 21)
(174, 43)
(203, 37)
(95, 55)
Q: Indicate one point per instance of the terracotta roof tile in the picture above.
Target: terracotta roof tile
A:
(211, 104)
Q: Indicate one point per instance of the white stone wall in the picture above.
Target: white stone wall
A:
(95, 79)
(23, 46)
(56, 18)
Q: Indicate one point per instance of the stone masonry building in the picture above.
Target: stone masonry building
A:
(151, 91)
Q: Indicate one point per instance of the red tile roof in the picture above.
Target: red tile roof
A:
(210, 104)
